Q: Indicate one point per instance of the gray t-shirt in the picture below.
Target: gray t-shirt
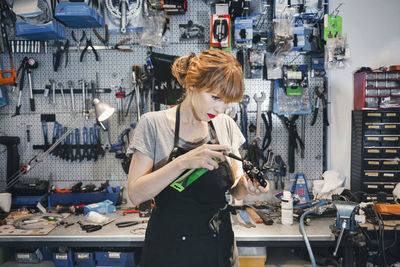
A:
(154, 137)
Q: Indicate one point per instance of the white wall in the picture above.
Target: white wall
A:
(373, 33)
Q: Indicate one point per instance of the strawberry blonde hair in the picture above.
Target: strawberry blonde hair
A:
(214, 71)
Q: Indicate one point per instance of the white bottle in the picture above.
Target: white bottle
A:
(287, 208)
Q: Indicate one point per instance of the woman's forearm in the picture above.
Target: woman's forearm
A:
(151, 184)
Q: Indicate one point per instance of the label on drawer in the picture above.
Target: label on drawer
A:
(388, 186)
(83, 255)
(391, 138)
(390, 163)
(390, 114)
(373, 138)
(373, 126)
(62, 256)
(23, 256)
(372, 186)
(390, 126)
(388, 174)
(373, 150)
(373, 162)
(114, 255)
(390, 151)
(373, 174)
(374, 114)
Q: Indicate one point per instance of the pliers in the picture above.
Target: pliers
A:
(116, 47)
(106, 36)
(62, 48)
(89, 43)
(78, 42)
(320, 95)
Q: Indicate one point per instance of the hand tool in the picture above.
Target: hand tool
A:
(243, 120)
(106, 35)
(54, 139)
(136, 74)
(253, 215)
(53, 90)
(106, 129)
(129, 223)
(89, 43)
(71, 90)
(6, 76)
(267, 220)
(78, 42)
(123, 6)
(61, 88)
(294, 139)
(268, 130)
(86, 153)
(130, 211)
(46, 140)
(259, 101)
(93, 150)
(83, 84)
(65, 145)
(61, 50)
(31, 64)
(250, 170)
(120, 95)
(28, 133)
(89, 227)
(122, 48)
(69, 152)
(320, 96)
(246, 218)
(99, 149)
(21, 70)
(61, 146)
(78, 155)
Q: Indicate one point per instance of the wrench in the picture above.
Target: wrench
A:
(61, 87)
(259, 101)
(71, 90)
(53, 90)
(243, 120)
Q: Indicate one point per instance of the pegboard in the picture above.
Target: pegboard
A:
(114, 69)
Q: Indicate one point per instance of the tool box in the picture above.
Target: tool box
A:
(115, 258)
(78, 15)
(52, 30)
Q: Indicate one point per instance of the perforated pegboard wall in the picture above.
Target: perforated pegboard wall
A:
(112, 67)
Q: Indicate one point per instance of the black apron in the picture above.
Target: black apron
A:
(192, 227)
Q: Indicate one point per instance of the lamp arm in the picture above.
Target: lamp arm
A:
(39, 158)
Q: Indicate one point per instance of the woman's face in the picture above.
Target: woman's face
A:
(207, 105)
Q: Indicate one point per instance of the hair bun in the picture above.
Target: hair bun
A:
(181, 66)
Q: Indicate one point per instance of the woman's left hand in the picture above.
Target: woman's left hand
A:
(253, 187)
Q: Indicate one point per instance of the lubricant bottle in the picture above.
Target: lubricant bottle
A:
(287, 208)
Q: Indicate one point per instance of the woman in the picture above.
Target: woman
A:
(192, 227)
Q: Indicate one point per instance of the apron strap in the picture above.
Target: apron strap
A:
(177, 122)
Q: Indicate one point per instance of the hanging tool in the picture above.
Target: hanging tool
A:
(78, 155)
(93, 150)
(71, 91)
(320, 96)
(89, 44)
(6, 76)
(78, 42)
(61, 88)
(268, 130)
(122, 48)
(70, 141)
(53, 90)
(31, 64)
(254, 152)
(83, 84)
(121, 147)
(136, 74)
(106, 36)
(45, 134)
(105, 40)
(61, 50)
(100, 151)
(54, 139)
(295, 141)
(120, 95)
(86, 153)
(243, 119)
(21, 70)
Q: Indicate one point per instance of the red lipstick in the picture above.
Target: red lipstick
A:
(211, 116)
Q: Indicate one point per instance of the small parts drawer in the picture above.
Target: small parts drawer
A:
(373, 128)
(390, 117)
(372, 164)
(379, 187)
(390, 140)
(372, 140)
(373, 116)
(382, 176)
(388, 128)
(389, 165)
(390, 153)
(373, 152)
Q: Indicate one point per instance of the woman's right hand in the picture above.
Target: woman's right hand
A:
(202, 157)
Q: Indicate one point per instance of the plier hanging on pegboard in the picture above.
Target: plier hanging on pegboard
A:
(78, 42)
(89, 43)
(106, 36)
(320, 96)
(62, 48)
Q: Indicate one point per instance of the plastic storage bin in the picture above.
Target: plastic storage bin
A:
(63, 259)
(52, 30)
(78, 15)
(115, 258)
(84, 258)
